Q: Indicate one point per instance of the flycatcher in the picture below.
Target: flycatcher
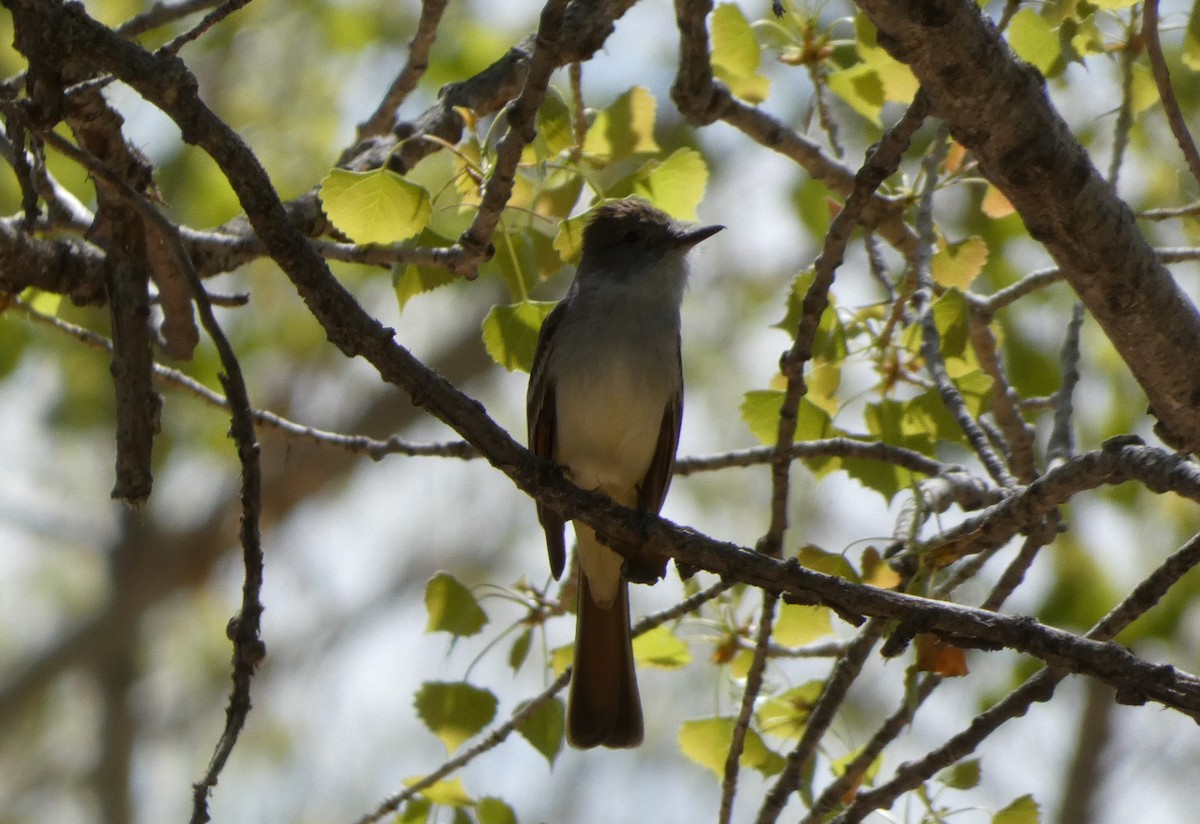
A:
(605, 403)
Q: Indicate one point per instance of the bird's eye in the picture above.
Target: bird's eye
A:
(632, 236)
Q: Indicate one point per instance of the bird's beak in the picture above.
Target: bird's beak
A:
(690, 236)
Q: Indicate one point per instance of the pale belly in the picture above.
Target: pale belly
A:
(608, 428)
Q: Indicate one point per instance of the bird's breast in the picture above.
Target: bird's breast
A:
(610, 399)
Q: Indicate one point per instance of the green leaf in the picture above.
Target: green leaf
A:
(860, 88)
(375, 207)
(554, 133)
(962, 776)
(1033, 39)
(520, 650)
(544, 728)
(1113, 5)
(494, 811)
(451, 607)
(676, 185)
(569, 240)
(561, 658)
(624, 129)
(659, 648)
(736, 55)
(510, 333)
(47, 303)
(706, 742)
(800, 624)
(417, 280)
(839, 766)
(1191, 39)
(415, 811)
(899, 83)
(830, 341)
(454, 711)
(786, 715)
(449, 792)
(1022, 811)
(1143, 93)
(958, 264)
(760, 410)
(831, 563)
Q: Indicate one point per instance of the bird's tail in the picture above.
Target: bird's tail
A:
(604, 708)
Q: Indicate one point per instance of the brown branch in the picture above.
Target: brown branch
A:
(750, 695)
(383, 117)
(931, 341)
(1120, 460)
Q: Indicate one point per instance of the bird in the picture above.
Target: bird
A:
(605, 403)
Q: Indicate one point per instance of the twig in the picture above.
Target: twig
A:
(1006, 404)
(1162, 79)
(382, 118)
(1124, 122)
(1062, 442)
(901, 456)
(754, 683)
(160, 14)
(356, 444)
(931, 349)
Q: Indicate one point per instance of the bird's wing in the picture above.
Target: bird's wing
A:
(540, 413)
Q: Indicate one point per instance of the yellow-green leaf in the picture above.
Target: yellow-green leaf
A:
(449, 792)
(543, 728)
(569, 240)
(736, 55)
(416, 811)
(1022, 811)
(1034, 41)
(813, 557)
(706, 742)
(623, 129)
(1143, 93)
(660, 648)
(1191, 39)
(454, 711)
(958, 264)
(760, 410)
(375, 207)
(520, 649)
(510, 333)
(451, 607)
(861, 88)
(47, 303)
(799, 624)
(786, 714)
(899, 83)
(494, 811)
(962, 776)
(561, 658)
(677, 184)
(416, 280)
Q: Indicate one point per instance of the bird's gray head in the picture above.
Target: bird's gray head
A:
(628, 237)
